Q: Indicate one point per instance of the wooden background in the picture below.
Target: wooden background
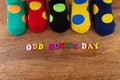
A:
(64, 64)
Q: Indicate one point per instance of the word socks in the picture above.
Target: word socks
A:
(37, 20)
(80, 17)
(103, 18)
(16, 17)
(58, 15)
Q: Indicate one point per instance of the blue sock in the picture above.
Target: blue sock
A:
(103, 18)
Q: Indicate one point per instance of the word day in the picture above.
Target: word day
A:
(63, 45)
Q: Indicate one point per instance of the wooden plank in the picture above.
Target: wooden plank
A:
(63, 64)
(116, 3)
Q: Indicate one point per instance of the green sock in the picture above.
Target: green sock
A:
(16, 14)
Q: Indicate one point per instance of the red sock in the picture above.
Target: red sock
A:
(37, 20)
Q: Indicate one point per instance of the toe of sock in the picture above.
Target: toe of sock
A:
(16, 31)
(38, 28)
(105, 30)
(59, 30)
(104, 33)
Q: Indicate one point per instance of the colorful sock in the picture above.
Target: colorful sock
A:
(16, 22)
(58, 15)
(103, 18)
(80, 17)
(37, 19)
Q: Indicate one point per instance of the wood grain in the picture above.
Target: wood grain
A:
(64, 64)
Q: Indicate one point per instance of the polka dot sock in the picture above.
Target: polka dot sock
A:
(58, 15)
(37, 20)
(103, 18)
(16, 17)
(80, 17)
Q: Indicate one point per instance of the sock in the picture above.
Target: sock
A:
(80, 17)
(103, 18)
(37, 19)
(16, 17)
(58, 15)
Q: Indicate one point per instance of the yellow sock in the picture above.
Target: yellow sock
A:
(80, 17)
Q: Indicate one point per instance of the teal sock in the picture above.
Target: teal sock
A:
(16, 14)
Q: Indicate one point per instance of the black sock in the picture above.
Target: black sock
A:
(59, 21)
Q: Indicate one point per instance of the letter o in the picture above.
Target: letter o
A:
(29, 47)
(57, 45)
